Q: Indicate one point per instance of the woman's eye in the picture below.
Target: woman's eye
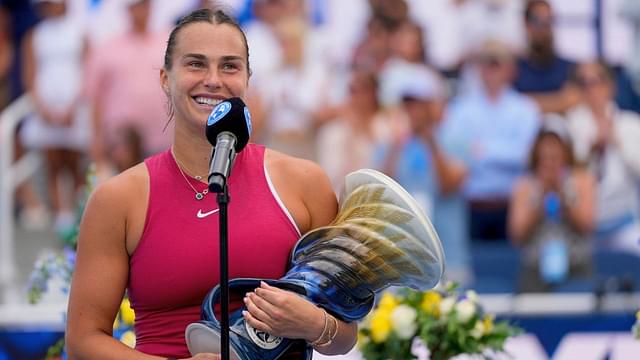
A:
(196, 64)
(229, 66)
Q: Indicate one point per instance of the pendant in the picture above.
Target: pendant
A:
(199, 196)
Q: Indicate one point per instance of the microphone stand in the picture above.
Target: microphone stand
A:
(223, 202)
(220, 168)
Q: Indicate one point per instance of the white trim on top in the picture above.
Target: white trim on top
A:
(277, 197)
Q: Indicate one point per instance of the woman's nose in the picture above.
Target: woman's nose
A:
(212, 80)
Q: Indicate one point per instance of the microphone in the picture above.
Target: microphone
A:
(228, 129)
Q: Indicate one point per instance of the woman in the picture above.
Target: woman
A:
(606, 139)
(346, 143)
(135, 230)
(54, 55)
(551, 213)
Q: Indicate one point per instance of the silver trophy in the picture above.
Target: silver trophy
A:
(379, 238)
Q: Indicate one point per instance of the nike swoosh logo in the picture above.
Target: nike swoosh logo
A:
(202, 215)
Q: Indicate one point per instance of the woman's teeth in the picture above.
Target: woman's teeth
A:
(206, 101)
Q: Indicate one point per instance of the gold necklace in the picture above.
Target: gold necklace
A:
(199, 194)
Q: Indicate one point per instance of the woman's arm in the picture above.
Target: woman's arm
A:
(307, 193)
(100, 276)
(580, 207)
(450, 172)
(524, 213)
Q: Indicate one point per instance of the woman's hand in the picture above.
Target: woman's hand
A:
(283, 313)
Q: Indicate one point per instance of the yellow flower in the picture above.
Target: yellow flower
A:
(431, 303)
(388, 301)
(126, 312)
(638, 315)
(488, 323)
(380, 325)
(129, 338)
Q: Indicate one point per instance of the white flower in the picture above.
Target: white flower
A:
(472, 295)
(478, 330)
(465, 309)
(403, 321)
(419, 349)
(447, 305)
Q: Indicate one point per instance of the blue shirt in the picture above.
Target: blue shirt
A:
(416, 173)
(494, 139)
(535, 78)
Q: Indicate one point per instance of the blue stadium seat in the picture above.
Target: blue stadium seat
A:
(495, 267)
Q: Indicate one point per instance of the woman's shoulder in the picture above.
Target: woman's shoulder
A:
(122, 189)
(581, 176)
(288, 165)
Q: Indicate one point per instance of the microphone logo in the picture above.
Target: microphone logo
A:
(219, 112)
(247, 118)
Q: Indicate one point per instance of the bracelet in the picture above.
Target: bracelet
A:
(320, 338)
(326, 338)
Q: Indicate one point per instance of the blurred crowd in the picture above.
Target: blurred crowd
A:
(508, 120)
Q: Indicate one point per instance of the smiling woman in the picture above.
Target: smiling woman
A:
(163, 249)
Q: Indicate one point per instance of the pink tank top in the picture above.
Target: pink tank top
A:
(176, 262)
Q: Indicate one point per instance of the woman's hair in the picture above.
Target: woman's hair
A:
(605, 69)
(561, 136)
(214, 16)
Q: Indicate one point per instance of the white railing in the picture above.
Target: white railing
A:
(12, 174)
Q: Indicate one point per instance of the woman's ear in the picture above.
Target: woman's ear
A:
(164, 81)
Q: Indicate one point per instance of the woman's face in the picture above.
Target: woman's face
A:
(595, 87)
(209, 64)
(363, 91)
(551, 156)
(407, 43)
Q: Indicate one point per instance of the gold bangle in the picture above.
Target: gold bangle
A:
(320, 338)
(327, 336)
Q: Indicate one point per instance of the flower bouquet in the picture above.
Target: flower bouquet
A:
(436, 324)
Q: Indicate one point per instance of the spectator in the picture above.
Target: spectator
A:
(266, 55)
(628, 77)
(346, 143)
(123, 87)
(373, 50)
(294, 92)
(542, 74)
(494, 127)
(53, 62)
(430, 170)
(551, 213)
(606, 138)
(408, 56)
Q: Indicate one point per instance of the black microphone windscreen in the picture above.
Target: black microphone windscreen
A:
(230, 115)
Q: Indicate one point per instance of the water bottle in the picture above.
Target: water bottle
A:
(554, 254)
